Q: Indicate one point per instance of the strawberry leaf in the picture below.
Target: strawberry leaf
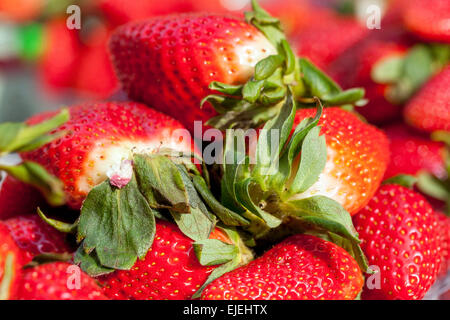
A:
(90, 263)
(313, 159)
(404, 180)
(161, 183)
(212, 252)
(118, 224)
(36, 175)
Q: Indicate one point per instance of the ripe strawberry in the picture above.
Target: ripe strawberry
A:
(444, 240)
(99, 136)
(17, 198)
(357, 157)
(123, 11)
(60, 57)
(170, 270)
(428, 19)
(302, 267)
(399, 234)
(95, 76)
(58, 281)
(166, 60)
(429, 110)
(355, 67)
(326, 39)
(412, 152)
(34, 236)
(10, 265)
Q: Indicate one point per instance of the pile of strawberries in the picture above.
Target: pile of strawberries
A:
(305, 186)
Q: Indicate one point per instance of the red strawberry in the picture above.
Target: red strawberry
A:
(429, 110)
(444, 240)
(34, 236)
(326, 39)
(122, 11)
(399, 234)
(170, 270)
(358, 155)
(302, 267)
(168, 62)
(429, 19)
(59, 61)
(95, 75)
(58, 281)
(355, 67)
(17, 198)
(99, 136)
(10, 265)
(412, 152)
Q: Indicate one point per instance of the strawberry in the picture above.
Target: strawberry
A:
(412, 152)
(429, 110)
(10, 265)
(242, 69)
(356, 67)
(169, 271)
(58, 281)
(60, 56)
(21, 10)
(324, 41)
(302, 267)
(98, 137)
(428, 19)
(399, 234)
(358, 155)
(166, 60)
(444, 240)
(34, 236)
(122, 11)
(18, 198)
(95, 75)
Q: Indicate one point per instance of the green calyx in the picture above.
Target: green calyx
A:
(260, 99)
(117, 225)
(20, 137)
(261, 185)
(405, 74)
(438, 187)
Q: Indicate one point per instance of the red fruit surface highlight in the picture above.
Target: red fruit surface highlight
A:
(399, 234)
(302, 267)
(34, 236)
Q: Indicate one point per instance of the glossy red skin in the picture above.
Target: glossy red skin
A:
(50, 282)
(18, 198)
(169, 62)
(34, 236)
(400, 234)
(325, 40)
(428, 19)
(302, 267)
(354, 69)
(91, 123)
(412, 152)
(429, 109)
(170, 270)
(361, 154)
(444, 240)
(61, 54)
(7, 247)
